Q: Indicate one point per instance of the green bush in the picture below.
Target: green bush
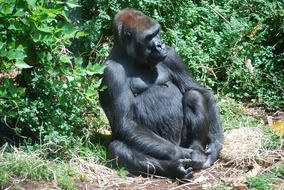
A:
(217, 40)
(233, 47)
(55, 48)
(55, 94)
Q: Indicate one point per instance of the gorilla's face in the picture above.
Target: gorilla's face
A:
(155, 49)
(147, 47)
(151, 47)
(139, 36)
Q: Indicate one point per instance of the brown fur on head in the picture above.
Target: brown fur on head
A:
(129, 22)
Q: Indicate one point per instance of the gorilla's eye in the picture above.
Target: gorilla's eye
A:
(128, 34)
(149, 37)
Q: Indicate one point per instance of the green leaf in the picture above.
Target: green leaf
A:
(3, 93)
(65, 16)
(68, 29)
(1, 45)
(44, 28)
(80, 34)
(37, 36)
(22, 65)
(20, 13)
(7, 8)
(21, 91)
(90, 93)
(72, 5)
(95, 69)
(65, 59)
(16, 25)
(12, 54)
(99, 68)
(49, 56)
(98, 83)
(12, 27)
(31, 3)
(78, 60)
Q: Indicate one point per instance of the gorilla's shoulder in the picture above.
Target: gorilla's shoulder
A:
(114, 69)
(113, 65)
(172, 55)
(171, 52)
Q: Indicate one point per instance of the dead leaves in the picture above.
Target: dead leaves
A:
(278, 128)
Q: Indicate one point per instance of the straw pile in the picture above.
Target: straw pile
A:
(241, 147)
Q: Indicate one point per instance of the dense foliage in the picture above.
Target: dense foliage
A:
(54, 94)
(51, 54)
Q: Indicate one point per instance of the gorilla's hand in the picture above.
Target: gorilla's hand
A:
(183, 153)
(199, 159)
(181, 168)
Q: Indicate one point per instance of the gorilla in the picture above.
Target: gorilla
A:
(163, 121)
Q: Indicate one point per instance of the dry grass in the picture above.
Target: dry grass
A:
(241, 147)
(242, 156)
(102, 177)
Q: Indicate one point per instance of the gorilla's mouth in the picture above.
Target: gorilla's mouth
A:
(158, 56)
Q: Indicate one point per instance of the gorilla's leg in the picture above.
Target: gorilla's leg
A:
(196, 114)
(138, 163)
(197, 124)
(204, 132)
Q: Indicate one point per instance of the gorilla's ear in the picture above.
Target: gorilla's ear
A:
(117, 30)
(128, 34)
(125, 33)
(122, 32)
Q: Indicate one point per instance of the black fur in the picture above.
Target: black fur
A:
(163, 122)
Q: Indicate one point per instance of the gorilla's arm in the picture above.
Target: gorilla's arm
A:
(124, 128)
(194, 96)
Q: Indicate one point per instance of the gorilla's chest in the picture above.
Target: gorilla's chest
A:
(157, 103)
(144, 80)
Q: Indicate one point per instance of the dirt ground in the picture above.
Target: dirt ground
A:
(207, 179)
(226, 171)
(242, 156)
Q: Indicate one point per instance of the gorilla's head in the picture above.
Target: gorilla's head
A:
(139, 35)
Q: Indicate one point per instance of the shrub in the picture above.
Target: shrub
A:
(232, 47)
(54, 96)
(50, 54)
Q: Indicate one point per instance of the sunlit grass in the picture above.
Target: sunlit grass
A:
(233, 115)
(15, 163)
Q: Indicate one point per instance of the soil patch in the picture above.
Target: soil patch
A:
(241, 157)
